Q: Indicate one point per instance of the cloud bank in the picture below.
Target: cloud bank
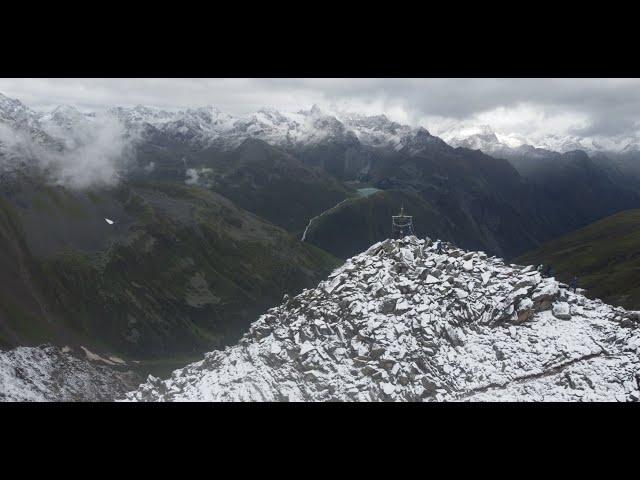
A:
(531, 107)
(90, 155)
(519, 110)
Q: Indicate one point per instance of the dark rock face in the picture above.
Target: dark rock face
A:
(478, 201)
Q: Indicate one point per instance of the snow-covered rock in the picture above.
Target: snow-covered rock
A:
(561, 310)
(378, 130)
(380, 329)
(21, 130)
(48, 373)
(208, 126)
(484, 138)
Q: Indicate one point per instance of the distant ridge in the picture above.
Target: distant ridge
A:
(605, 256)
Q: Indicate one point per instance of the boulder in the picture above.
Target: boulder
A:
(561, 311)
(388, 306)
(431, 280)
(402, 306)
(388, 388)
(544, 295)
(529, 280)
(524, 310)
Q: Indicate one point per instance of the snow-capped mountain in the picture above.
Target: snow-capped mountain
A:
(47, 373)
(475, 138)
(15, 113)
(19, 125)
(209, 126)
(141, 114)
(65, 145)
(559, 143)
(67, 129)
(297, 129)
(70, 127)
(378, 130)
(484, 138)
(343, 145)
(404, 322)
(65, 117)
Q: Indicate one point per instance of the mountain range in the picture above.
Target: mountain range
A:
(152, 234)
(483, 137)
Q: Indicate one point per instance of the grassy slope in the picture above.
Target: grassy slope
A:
(182, 270)
(605, 256)
(359, 222)
(272, 184)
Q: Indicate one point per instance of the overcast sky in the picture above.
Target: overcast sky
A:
(585, 107)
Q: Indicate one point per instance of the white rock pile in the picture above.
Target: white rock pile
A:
(48, 373)
(401, 322)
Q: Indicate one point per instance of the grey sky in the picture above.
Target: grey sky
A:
(592, 107)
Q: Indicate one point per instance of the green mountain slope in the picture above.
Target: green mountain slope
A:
(182, 269)
(605, 256)
(259, 178)
(356, 223)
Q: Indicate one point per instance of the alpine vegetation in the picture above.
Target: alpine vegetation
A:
(409, 320)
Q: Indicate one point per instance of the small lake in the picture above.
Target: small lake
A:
(365, 192)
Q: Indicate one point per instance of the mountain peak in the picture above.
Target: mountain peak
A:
(315, 110)
(485, 130)
(476, 137)
(422, 132)
(65, 109)
(11, 106)
(416, 320)
(65, 113)
(5, 100)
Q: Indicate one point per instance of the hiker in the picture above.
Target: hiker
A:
(439, 247)
(540, 268)
(574, 283)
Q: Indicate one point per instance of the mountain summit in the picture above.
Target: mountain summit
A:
(408, 320)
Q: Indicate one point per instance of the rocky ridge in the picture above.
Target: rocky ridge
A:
(402, 322)
(48, 373)
(207, 126)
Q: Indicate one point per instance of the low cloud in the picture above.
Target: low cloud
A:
(197, 176)
(192, 176)
(526, 109)
(92, 154)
